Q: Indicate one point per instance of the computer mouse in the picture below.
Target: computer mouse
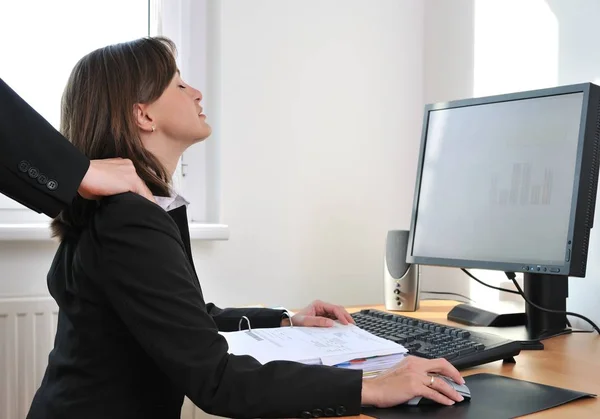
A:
(462, 389)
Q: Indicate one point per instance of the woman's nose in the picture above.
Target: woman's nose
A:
(197, 95)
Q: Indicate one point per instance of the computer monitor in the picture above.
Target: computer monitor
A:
(508, 183)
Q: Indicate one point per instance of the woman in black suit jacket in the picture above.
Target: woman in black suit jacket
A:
(43, 171)
(134, 333)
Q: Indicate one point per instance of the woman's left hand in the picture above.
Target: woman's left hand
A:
(319, 314)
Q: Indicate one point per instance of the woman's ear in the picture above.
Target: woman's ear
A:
(142, 118)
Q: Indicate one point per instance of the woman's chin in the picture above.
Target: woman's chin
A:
(201, 138)
(204, 134)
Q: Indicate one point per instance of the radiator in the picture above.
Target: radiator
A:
(27, 329)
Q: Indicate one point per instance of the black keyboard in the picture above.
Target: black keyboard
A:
(461, 347)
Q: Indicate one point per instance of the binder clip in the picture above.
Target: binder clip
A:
(247, 321)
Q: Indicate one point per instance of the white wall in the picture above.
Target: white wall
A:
(319, 120)
(23, 268)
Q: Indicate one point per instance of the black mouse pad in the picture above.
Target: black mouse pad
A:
(492, 397)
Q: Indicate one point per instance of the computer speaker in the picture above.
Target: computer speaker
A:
(400, 279)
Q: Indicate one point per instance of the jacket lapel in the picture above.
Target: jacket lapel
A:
(179, 215)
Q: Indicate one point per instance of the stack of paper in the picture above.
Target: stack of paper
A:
(372, 366)
(343, 346)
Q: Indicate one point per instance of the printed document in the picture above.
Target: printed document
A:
(311, 345)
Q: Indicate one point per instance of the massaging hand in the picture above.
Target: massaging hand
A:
(319, 314)
(112, 176)
(408, 379)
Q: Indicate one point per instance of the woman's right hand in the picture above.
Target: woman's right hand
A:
(110, 177)
(411, 378)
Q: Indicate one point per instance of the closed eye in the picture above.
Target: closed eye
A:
(182, 86)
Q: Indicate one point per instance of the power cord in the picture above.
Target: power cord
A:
(512, 276)
(448, 293)
(488, 285)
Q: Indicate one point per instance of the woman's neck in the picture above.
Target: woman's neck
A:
(167, 152)
(170, 163)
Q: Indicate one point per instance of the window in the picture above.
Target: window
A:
(43, 49)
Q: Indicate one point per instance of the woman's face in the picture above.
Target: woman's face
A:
(177, 113)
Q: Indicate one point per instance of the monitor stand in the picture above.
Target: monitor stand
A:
(497, 314)
(548, 291)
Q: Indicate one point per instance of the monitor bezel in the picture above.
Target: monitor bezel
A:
(584, 186)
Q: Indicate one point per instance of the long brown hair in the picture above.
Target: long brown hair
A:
(97, 113)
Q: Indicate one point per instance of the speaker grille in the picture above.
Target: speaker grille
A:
(395, 253)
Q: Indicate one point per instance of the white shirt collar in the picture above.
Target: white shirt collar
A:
(169, 203)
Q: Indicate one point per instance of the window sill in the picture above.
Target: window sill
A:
(41, 232)
(200, 231)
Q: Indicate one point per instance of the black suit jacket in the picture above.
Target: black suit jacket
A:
(38, 166)
(135, 334)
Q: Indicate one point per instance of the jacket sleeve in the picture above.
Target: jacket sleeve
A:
(165, 311)
(228, 319)
(39, 167)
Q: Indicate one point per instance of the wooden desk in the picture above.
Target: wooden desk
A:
(570, 361)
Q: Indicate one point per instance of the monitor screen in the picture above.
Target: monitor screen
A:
(497, 181)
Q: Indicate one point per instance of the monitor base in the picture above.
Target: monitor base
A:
(522, 335)
(506, 319)
(543, 290)
(501, 314)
